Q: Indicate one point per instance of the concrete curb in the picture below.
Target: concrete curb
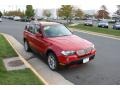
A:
(47, 76)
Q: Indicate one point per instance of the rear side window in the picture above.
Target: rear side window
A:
(31, 29)
(37, 28)
(26, 27)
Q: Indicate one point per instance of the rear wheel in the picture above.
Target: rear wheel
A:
(26, 46)
(52, 61)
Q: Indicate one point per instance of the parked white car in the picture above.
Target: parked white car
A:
(0, 19)
(88, 23)
(17, 18)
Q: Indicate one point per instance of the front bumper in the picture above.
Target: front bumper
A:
(81, 60)
(117, 27)
(88, 24)
(74, 59)
(103, 26)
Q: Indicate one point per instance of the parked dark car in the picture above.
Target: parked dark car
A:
(116, 25)
(103, 24)
(88, 23)
(11, 17)
(25, 19)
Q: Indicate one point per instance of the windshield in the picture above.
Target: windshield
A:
(56, 31)
(103, 22)
(118, 23)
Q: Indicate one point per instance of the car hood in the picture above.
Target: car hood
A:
(118, 25)
(103, 23)
(71, 42)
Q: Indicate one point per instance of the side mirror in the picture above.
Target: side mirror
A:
(38, 35)
(26, 28)
(71, 31)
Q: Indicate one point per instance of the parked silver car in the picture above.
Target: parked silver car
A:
(116, 25)
(16, 18)
(103, 24)
(88, 23)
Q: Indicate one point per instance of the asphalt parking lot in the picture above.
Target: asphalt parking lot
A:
(105, 69)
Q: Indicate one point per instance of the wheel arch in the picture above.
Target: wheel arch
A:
(50, 51)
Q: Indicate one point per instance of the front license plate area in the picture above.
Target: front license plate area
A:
(85, 60)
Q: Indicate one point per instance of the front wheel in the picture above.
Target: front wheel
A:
(113, 27)
(106, 26)
(52, 61)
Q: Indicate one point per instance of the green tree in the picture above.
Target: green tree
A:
(14, 13)
(47, 13)
(1, 14)
(79, 13)
(103, 13)
(29, 11)
(66, 11)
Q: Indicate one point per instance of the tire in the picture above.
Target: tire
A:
(26, 46)
(106, 26)
(113, 27)
(116, 28)
(52, 61)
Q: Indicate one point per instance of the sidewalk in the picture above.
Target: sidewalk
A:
(36, 65)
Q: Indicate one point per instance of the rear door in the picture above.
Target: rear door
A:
(31, 35)
(39, 42)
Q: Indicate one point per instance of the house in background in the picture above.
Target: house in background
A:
(39, 13)
(89, 14)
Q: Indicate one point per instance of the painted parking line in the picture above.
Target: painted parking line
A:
(97, 34)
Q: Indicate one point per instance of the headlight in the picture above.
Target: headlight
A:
(93, 46)
(66, 53)
(106, 24)
(80, 52)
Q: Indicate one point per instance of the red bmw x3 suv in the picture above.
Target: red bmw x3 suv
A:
(57, 43)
